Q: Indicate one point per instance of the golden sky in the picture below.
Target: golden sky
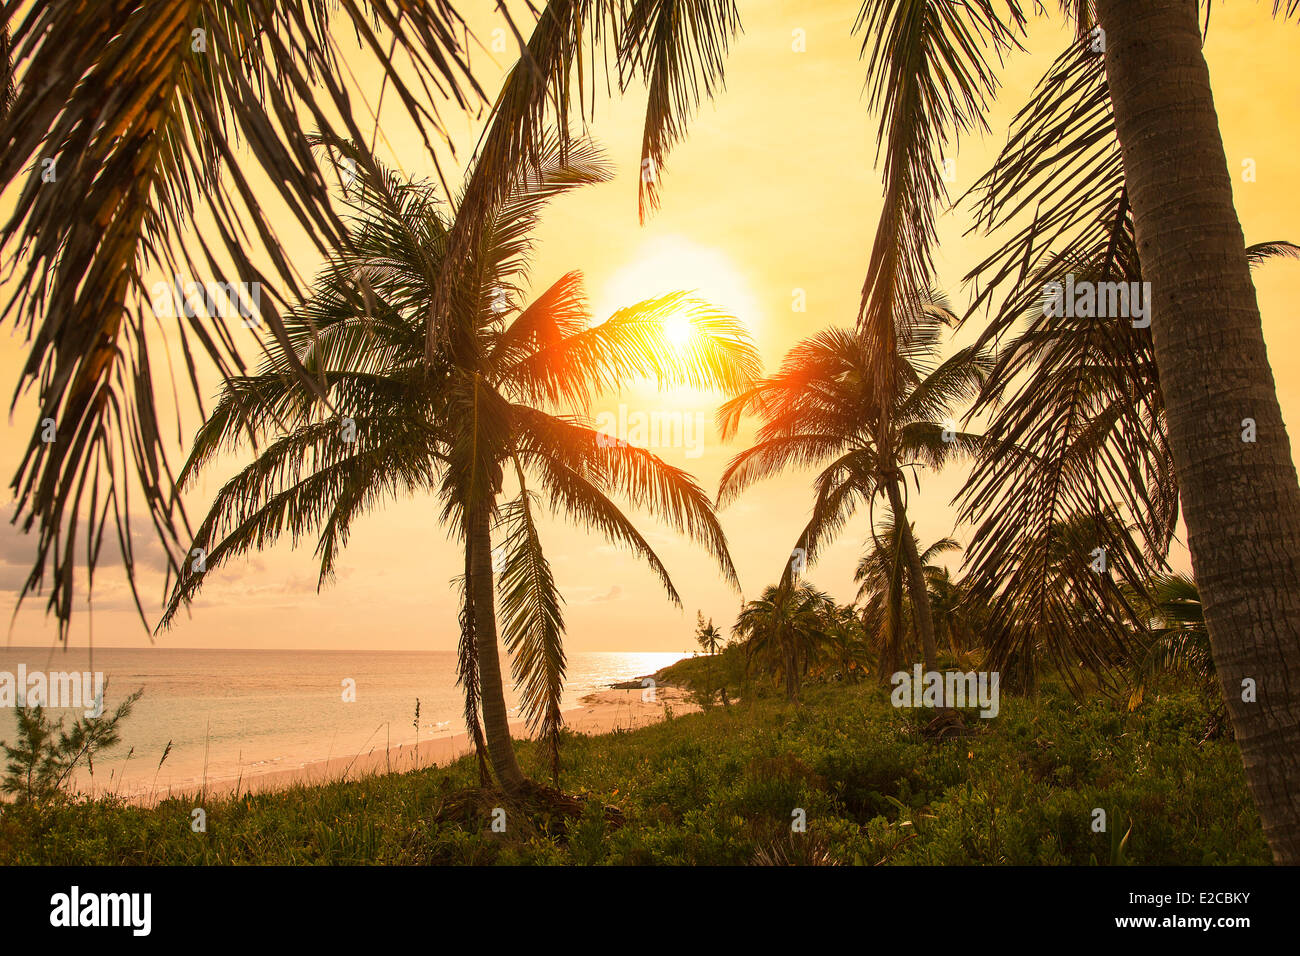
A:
(773, 192)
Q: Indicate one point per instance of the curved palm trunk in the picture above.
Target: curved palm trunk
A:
(496, 722)
(1241, 500)
(915, 581)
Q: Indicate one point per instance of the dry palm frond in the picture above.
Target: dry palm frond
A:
(801, 849)
(931, 77)
(532, 623)
(1076, 435)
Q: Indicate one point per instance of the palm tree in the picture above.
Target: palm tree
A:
(1176, 637)
(823, 408)
(708, 636)
(486, 416)
(887, 604)
(1241, 499)
(1076, 416)
(783, 630)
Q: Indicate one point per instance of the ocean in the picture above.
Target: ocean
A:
(233, 713)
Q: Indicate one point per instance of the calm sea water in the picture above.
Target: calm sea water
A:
(238, 712)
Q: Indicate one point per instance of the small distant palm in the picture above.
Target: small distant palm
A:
(1178, 639)
(783, 631)
(887, 603)
(847, 641)
(959, 617)
(709, 636)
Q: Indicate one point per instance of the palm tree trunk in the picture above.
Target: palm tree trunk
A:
(467, 670)
(496, 721)
(1240, 499)
(892, 659)
(791, 677)
(916, 581)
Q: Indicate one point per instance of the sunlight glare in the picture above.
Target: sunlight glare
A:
(678, 329)
(675, 264)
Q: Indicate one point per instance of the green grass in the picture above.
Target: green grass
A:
(720, 787)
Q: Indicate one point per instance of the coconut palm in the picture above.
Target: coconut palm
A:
(1240, 499)
(708, 636)
(822, 408)
(1176, 638)
(784, 630)
(1076, 415)
(880, 575)
(496, 427)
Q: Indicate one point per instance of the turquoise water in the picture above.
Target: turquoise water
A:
(239, 712)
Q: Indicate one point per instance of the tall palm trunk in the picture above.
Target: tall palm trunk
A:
(892, 654)
(1240, 499)
(496, 722)
(467, 671)
(791, 671)
(916, 580)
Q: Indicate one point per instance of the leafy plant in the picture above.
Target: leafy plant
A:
(41, 762)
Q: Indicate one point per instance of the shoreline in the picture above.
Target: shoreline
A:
(605, 711)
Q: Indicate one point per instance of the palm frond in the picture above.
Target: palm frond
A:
(677, 47)
(532, 622)
(772, 456)
(124, 124)
(930, 77)
(511, 146)
(643, 479)
(634, 344)
(1260, 252)
(311, 481)
(1061, 167)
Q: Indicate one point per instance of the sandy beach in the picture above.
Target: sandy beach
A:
(599, 713)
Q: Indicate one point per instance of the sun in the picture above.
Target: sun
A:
(678, 329)
(673, 263)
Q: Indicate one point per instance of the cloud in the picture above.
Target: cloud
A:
(18, 548)
(613, 594)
